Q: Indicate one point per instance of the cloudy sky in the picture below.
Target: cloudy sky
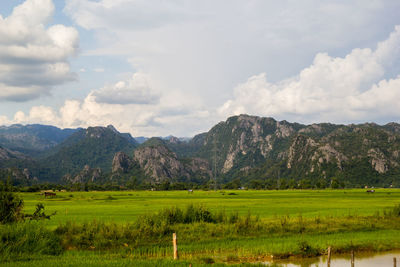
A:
(160, 67)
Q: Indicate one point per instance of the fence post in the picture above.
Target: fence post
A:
(329, 256)
(175, 246)
(352, 258)
(394, 262)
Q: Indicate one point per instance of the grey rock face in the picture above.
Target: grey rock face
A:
(121, 162)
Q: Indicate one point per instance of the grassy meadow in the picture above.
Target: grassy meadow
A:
(126, 206)
(222, 227)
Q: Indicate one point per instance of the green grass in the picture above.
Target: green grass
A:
(109, 228)
(87, 259)
(126, 206)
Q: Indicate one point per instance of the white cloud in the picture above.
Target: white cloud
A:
(207, 47)
(136, 90)
(4, 120)
(196, 51)
(334, 89)
(130, 105)
(37, 114)
(331, 89)
(33, 58)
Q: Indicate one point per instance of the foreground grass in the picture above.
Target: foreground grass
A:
(205, 236)
(85, 258)
(282, 224)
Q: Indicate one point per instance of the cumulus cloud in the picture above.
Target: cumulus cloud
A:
(136, 90)
(38, 114)
(336, 89)
(33, 57)
(206, 48)
(197, 51)
(130, 105)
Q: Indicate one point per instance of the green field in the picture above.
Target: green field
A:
(125, 206)
(99, 227)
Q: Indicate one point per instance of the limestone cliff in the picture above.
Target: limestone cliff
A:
(160, 164)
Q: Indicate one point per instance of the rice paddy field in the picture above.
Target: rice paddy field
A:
(125, 206)
(270, 225)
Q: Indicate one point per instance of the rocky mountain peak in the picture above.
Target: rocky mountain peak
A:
(112, 128)
(97, 131)
(86, 175)
(174, 140)
(160, 164)
(121, 162)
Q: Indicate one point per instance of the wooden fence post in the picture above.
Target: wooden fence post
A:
(352, 258)
(175, 246)
(394, 262)
(329, 256)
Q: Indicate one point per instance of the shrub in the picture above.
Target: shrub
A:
(306, 250)
(10, 206)
(39, 213)
(27, 239)
(198, 214)
(154, 229)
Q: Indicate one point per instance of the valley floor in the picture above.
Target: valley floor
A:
(112, 228)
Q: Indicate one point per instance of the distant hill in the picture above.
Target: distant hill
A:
(10, 158)
(141, 139)
(32, 139)
(251, 147)
(254, 151)
(94, 146)
(160, 164)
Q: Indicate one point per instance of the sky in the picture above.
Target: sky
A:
(178, 67)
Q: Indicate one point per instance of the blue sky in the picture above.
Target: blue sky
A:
(153, 67)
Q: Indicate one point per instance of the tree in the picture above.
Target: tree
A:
(10, 205)
(256, 184)
(235, 184)
(282, 184)
(292, 184)
(321, 183)
(334, 183)
(39, 213)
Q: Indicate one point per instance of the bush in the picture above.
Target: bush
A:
(39, 213)
(27, 239)
(10, 206)
(175, 215)
(306, 250)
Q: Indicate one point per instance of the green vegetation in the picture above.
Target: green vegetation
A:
(212, 226)
(255, 152)
(95, 146)
(10, 205)
(26, 240)
(126, 206)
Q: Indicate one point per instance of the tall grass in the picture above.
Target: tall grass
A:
(201, 231)
(21, 240)
(94, 259)
(152, 229)
(204, 235)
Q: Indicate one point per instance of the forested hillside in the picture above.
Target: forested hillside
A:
(243, 150)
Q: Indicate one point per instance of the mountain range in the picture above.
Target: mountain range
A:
(255, 151)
